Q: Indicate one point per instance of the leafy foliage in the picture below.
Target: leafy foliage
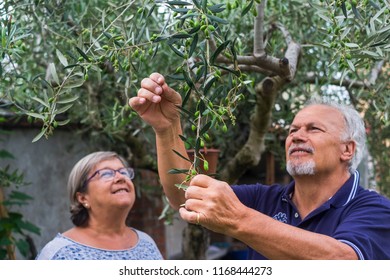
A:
(77, 62)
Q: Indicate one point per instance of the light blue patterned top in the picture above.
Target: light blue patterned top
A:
(63, 248)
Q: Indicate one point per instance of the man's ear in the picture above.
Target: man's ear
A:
(348, 150)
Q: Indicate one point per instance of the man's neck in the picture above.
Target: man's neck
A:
(311, 191)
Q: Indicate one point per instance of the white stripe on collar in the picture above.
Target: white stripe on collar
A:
(354, 187)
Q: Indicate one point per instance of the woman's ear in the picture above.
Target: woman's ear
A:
(82, 198)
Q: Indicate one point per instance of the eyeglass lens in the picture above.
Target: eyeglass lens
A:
(107, 174)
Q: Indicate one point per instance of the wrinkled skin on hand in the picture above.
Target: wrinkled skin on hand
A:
(215, 201)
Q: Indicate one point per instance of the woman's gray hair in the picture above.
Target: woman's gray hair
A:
(77, 183)
(354, 127)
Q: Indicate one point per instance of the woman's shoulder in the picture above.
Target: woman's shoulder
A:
(143, 235)
(146, 247)
(53, 246)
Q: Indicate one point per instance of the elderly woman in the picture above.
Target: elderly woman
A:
(101, 194)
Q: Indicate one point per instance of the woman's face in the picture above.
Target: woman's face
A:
(109, 187)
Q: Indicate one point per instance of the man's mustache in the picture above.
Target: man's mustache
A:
(300, 148)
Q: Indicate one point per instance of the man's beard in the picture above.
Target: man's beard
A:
(305, 168)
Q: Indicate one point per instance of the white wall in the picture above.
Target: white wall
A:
(174, 237)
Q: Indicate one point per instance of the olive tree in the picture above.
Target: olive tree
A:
(243, 69)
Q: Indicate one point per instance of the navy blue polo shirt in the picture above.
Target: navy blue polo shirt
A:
(354, 215)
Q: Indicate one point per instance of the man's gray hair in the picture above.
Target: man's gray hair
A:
(354, 127)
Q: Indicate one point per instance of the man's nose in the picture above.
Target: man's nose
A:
(300, 135)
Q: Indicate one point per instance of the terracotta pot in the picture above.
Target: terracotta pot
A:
(211, 155)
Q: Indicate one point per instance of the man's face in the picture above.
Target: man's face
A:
(314, 144)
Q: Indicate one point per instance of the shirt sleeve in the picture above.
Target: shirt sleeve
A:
(50, 250)
(249, 195)
(260, 197)
(365, 226)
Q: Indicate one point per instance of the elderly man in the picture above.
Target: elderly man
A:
(322, 214)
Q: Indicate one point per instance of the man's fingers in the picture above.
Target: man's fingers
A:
(151, 86)
(149, 95)
(202, 180)
(158, 78)
(155, 86)
(169, 93)
(194, 192)
(136, 102)
(191, 216)
(154, 83)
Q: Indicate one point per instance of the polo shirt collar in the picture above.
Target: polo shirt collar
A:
(347, 192)
(342, 197)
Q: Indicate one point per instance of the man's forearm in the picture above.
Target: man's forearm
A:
(166, 143)
(276, 240)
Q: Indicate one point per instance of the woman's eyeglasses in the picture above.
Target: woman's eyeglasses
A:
(108, 174)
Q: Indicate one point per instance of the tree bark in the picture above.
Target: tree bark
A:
(196, 240)
(250, 154)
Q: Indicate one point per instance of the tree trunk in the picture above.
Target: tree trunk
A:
(196, 240)
(250, 154)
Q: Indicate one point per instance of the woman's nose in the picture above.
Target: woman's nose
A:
(119, 176)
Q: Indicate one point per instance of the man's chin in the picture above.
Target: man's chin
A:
(302, 169)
